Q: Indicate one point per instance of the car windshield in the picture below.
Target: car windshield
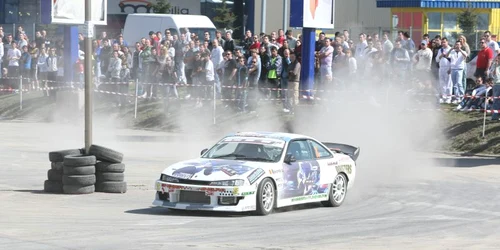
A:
(247, 149)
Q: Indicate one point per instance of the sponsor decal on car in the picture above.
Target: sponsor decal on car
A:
(276, 171)
(309, 197)
(331, 163)
(248, 193)
(236, 190)
(347, 168)
(208, 168)
(212, 189)
(227, 170)
(182, 175)
(249, 208)
(255, 175)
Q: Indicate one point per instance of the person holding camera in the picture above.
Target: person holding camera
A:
(457, 57)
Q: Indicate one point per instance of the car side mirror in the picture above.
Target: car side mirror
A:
(289, 158)
(203, 151)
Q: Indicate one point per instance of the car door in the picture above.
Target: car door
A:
(326, 162)
(301, 175)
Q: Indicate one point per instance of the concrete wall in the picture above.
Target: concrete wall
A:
(354, 15)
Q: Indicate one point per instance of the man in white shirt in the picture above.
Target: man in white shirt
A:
(457, 62)
(492, 44)
(359, 54)
(217, 59)
(13, 56)
(204, 92)
(326, 58)
(443, 60)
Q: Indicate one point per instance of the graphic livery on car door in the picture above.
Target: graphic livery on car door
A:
(301, 177)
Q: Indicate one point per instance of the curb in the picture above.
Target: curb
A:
(464, 154)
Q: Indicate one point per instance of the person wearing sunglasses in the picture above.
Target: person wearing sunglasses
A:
(484, 60)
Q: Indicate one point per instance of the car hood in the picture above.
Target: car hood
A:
(214, 169)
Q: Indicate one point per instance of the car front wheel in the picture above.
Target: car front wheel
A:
(338, 191)
(266, 196)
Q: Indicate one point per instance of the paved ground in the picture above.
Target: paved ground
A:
(430, 202)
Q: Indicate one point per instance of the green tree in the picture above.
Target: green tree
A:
(224, 17)
(467, 21)
(161, 6)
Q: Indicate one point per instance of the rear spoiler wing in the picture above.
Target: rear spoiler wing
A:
(349, 150)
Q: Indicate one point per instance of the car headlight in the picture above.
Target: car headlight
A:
(167, 178)
(228, 183)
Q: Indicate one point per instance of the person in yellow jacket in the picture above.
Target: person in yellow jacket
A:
(274, 68)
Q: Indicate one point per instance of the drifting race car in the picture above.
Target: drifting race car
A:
(259, 171)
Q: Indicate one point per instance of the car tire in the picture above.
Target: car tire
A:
(57, 166)
(78, 189)
(105, 154)
(53, 175)
(266, 197)
(79, 160)
(104, 176)
(79, 180)
(58, 156)
(80, 170)
(337, 191)
(53, 187)
(109, 167)
(111, 187)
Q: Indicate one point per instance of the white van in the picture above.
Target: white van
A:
(139, 25)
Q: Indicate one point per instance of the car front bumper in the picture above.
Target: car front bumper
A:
(209, 198)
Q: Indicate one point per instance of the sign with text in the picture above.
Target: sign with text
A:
(186, 7)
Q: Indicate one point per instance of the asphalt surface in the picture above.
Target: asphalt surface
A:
(453, 204)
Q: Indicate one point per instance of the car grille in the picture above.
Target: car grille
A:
(193, 182)
(193, 197)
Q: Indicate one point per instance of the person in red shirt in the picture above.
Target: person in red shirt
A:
(281, 37)
(484, 60)
(255, 43)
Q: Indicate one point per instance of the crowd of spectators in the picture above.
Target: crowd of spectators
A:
(263, 66)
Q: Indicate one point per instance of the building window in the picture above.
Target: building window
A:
(483, 21)
(28, 11)
(11, 12)
(434, 20)
(450, 21)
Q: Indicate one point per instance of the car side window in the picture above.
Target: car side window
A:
(319, 151)
(300, 150)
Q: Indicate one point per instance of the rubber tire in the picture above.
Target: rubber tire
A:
(69, 189)
(53, 175)
(79, 160)
(58, 156)
(111, 187)
(109, 167)
(57, 166)
(331, 202)
(81, 170)
(53, 187)
(79, 180)
(103, 177)
(105, 154)
(260, 208)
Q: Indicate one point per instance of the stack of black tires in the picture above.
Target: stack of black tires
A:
(109, 170)
(54, 182)
(73, 172)
(79, 174)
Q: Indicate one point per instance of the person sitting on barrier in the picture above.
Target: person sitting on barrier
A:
(471, 96)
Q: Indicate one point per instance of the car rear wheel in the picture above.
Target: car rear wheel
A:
(266, 196)
(338, 191)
